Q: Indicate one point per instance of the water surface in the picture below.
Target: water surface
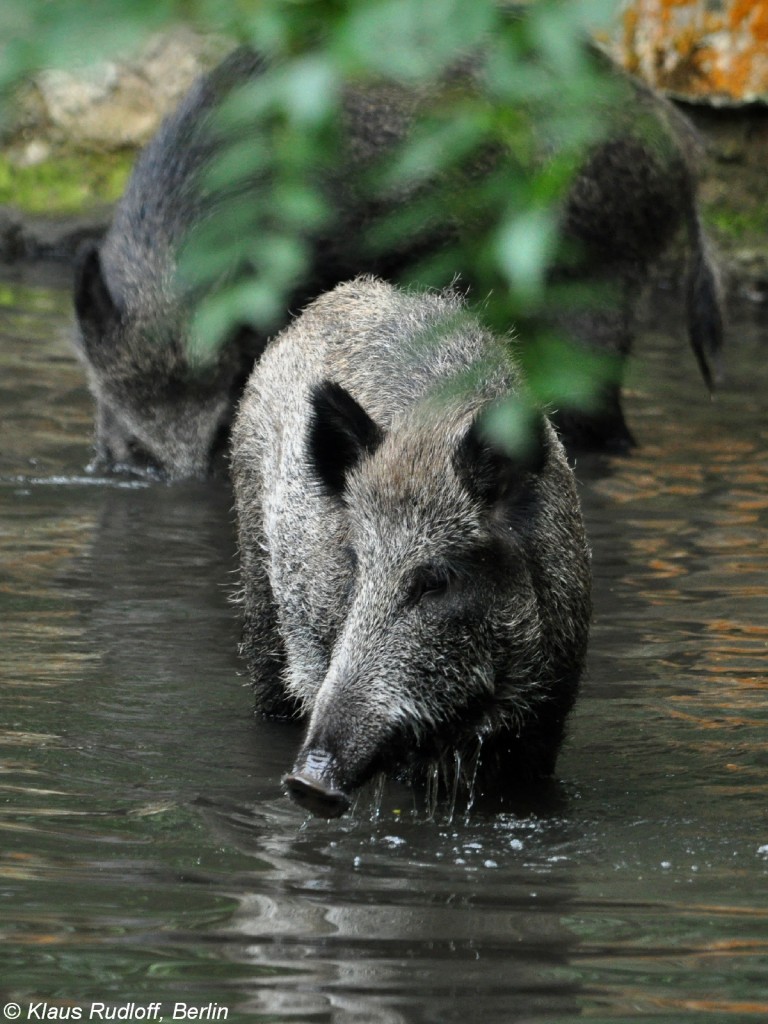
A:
(147, 853)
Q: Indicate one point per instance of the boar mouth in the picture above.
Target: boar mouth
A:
(324, 783)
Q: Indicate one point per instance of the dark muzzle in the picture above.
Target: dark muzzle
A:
(313, 785)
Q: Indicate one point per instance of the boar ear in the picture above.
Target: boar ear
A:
(494, 472)
(340, 434)
(96, 310)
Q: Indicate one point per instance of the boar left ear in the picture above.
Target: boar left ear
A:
(493, 471)
(341, 433)
(97, 311)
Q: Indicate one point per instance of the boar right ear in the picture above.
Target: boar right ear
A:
(96, 310)
(341, 433)
(493, 472)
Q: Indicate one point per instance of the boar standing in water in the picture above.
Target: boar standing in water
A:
(160, 413)
(409, 585)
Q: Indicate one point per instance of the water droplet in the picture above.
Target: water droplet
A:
(455, 785)
(473, 768)
(433, 787)
(378, 795)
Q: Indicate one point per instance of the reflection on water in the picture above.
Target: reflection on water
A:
(147, 852)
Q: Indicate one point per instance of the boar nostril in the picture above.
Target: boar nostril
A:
(313, 786)
(315, 796)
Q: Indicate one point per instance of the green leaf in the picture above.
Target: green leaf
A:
(524, 246)
(411, 40)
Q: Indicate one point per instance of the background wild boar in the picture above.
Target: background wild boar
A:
(635, 192)
(161, 410)
(408, 585)
(158, 410)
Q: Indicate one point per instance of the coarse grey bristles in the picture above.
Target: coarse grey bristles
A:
(422, 584)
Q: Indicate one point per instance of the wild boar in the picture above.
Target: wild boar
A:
(160, 410)
(409, 583)
(635, 192)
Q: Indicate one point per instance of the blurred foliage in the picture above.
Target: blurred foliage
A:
(60, 33)
(542, 100)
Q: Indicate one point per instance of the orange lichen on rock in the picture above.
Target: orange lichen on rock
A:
(689, 49)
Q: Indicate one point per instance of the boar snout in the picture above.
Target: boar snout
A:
(313, 785)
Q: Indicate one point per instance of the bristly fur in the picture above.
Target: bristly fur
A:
(447, 595)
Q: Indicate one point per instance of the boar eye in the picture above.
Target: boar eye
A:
(429, 583)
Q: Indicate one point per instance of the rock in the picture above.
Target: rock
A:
(118, 103)
(712, 53)
(25, 238)
(102, 109)
(59, 238)
(115, 105)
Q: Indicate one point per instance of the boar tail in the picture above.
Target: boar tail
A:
(705, 303)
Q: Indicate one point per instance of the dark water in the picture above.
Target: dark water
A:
(147, 854)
